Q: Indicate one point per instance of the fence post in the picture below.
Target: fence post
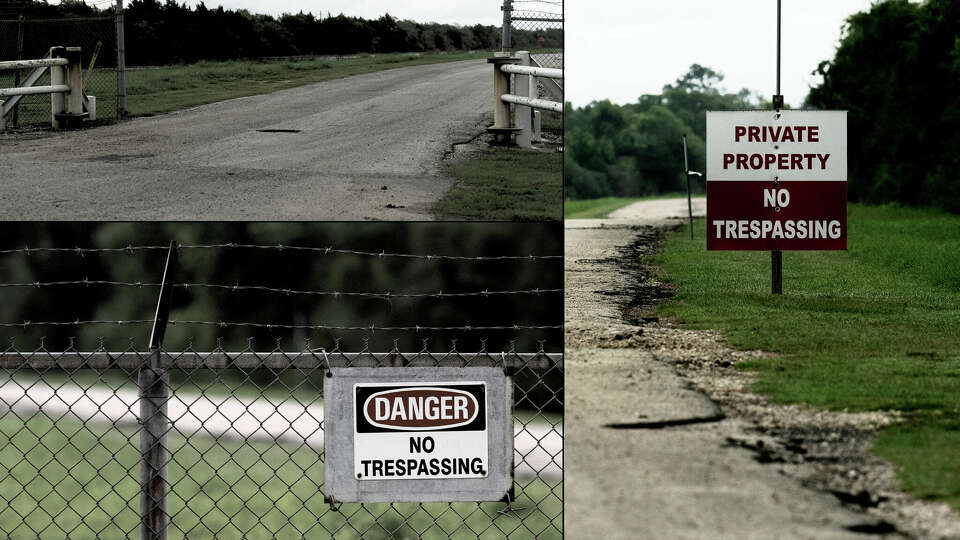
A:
(121, 64)
(526, 86)
(154, 384)
(16, 77)
(507, 31)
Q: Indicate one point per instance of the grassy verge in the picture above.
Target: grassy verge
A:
(64, 478)
(170, 88)
(601, 208)
(505, 184)
(873, 328)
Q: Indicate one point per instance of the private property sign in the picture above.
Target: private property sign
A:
(418, 434)
(777, 180)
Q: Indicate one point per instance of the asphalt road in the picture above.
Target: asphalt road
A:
(680, 481)
(367, 147)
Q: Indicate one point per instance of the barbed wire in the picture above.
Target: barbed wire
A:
(225, 324)
(386, 295)
(130, 249)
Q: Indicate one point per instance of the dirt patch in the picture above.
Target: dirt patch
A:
(824, 450)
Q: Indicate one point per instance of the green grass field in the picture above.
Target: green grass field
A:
(170, 88)
(873, 328)
(505, 184)
(601, 208)
(63, 477)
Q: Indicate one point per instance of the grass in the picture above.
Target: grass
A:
(59, 478)
(170, 88)
(504, 184)
(873, 328)
(603, 207)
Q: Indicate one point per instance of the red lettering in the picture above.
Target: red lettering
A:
(727, 160)
(753, 134)
(738, 132)
(814, 133)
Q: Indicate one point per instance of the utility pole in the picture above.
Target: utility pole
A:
(121, 64)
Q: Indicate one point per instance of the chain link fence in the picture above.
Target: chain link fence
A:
(245, 443)
(244, 430)
(535, 26)
(24, 39)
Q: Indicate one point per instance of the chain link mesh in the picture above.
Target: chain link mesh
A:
(537, 26)
(245, 448)
(25, 39)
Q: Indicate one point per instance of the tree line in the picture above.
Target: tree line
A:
(166, 32)
(896, 71)
(635, 150)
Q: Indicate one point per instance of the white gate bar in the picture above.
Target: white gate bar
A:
(28, 64)
(32, 90)
(8, 105)
(550, 73)
(531, 102)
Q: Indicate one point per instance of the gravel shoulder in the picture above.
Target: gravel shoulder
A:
(366, 147)
(664, 438)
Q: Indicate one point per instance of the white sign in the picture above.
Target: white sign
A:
(417, 431)
(786, 145)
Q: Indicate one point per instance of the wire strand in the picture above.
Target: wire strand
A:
(130, 249)
(386, 295)
(225, 324)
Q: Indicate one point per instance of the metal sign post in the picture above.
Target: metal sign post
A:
(776, 256)
(686, 172)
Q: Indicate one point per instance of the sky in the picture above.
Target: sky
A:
(622, 49)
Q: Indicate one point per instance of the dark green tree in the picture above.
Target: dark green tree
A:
(897, 72)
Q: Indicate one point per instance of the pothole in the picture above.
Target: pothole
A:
(278, 131)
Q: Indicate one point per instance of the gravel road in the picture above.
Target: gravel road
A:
(363, 147)
(647, 455)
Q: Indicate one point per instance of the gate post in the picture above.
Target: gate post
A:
(526, 86)
(57, 77)
(74, 81)
(502, 128)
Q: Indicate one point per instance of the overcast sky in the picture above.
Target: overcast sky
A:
(465, 12)
(621, 49)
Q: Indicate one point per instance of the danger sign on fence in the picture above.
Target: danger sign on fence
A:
(777, 180)
(418, 431)
(418, 434)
